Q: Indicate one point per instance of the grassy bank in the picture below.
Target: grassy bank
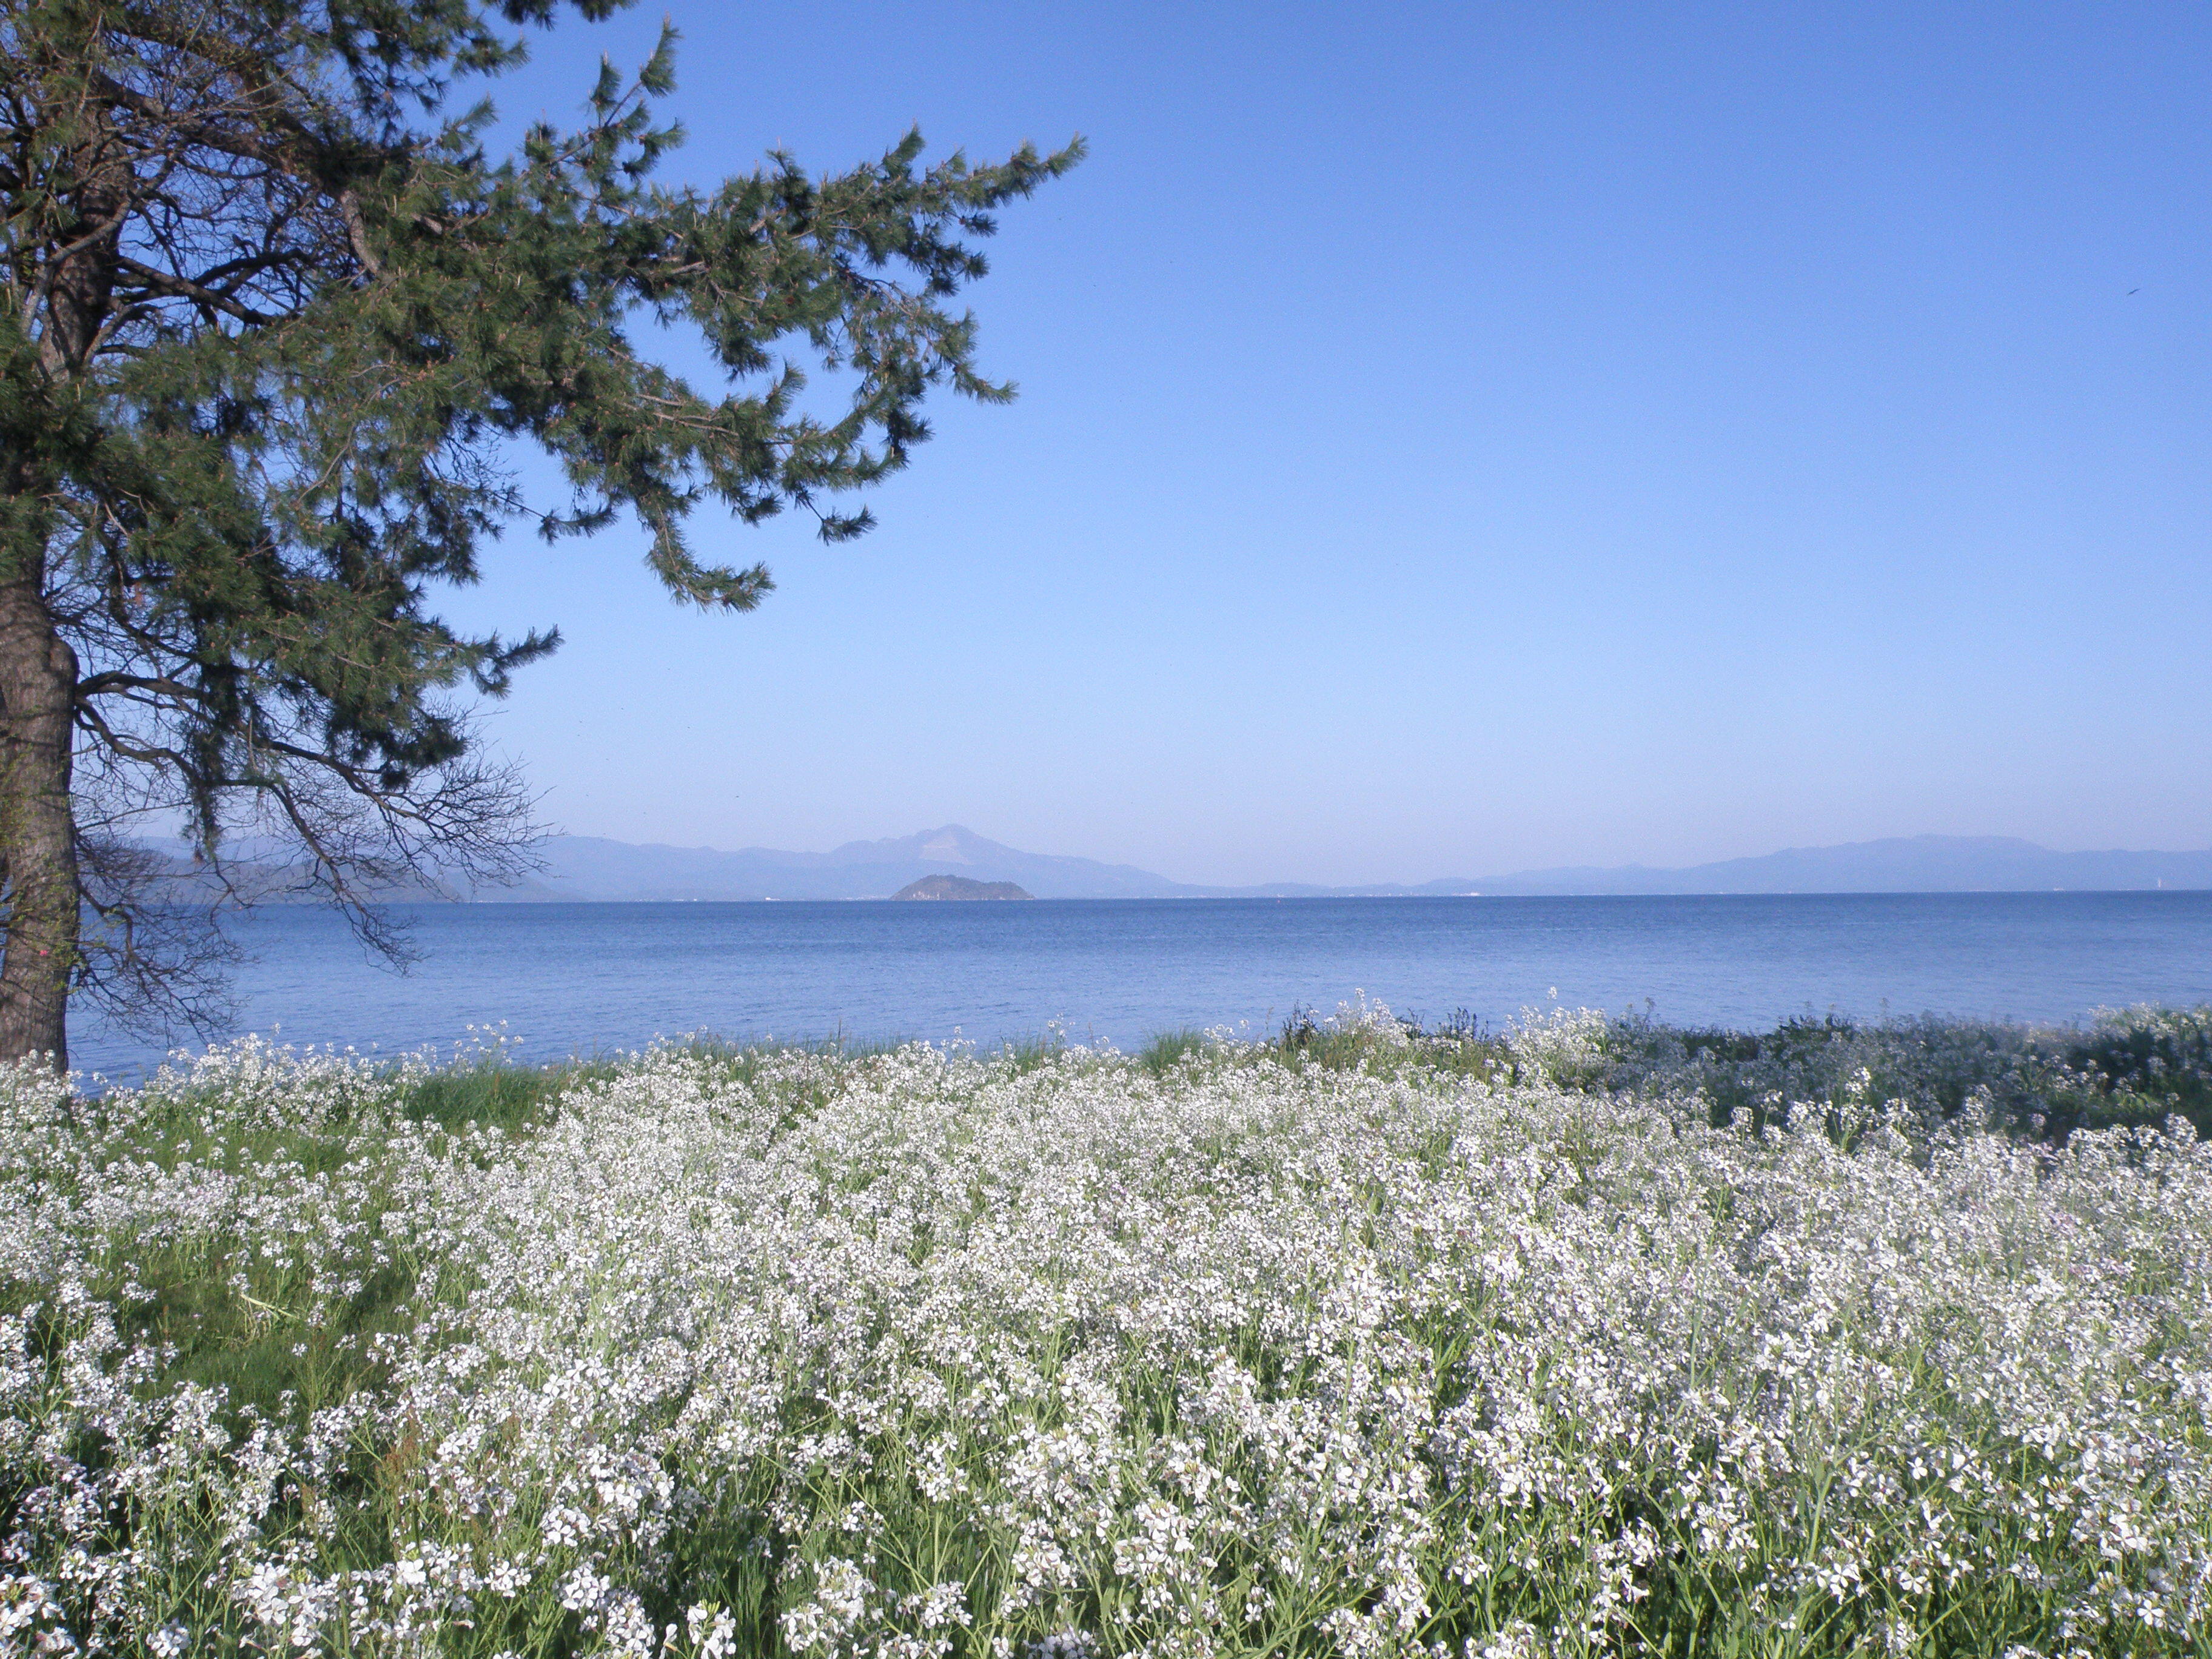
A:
(1589, 1336)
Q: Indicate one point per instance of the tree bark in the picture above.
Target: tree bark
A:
(39, 672)
(37, 835)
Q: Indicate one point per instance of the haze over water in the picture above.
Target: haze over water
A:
(577, 978)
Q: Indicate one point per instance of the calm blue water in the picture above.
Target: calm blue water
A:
(581, 977)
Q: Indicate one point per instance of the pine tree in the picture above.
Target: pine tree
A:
(274, 313)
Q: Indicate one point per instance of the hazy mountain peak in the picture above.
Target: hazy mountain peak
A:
(950, 843)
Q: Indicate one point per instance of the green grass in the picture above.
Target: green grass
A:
(515, 1098)
(1458, 1046)
(1171, 1049)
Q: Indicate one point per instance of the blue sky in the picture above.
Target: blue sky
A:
(1457, 439)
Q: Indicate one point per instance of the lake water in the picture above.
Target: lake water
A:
(569, 978)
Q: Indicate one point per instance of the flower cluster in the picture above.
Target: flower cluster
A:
(915, 1354)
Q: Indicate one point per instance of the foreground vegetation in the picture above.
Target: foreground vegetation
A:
(1592, 1336)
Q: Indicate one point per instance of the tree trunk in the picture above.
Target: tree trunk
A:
(37, 675)
(37, 835)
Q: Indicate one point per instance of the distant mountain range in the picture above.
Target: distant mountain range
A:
(1903, 864)
(588, 868)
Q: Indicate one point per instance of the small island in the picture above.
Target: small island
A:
(959, 887)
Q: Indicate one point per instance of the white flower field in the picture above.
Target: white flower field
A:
(1379, 1343)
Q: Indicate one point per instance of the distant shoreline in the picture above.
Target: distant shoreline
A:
(586, 869)
(1364, 898)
